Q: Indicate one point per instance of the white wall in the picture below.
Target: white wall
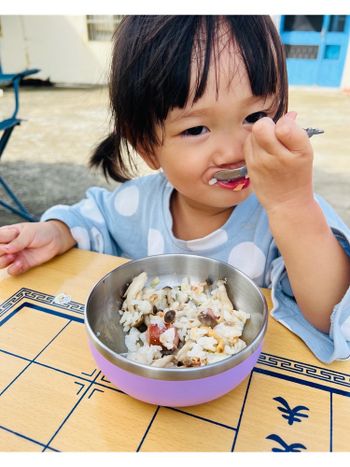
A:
(345, 83)
(277, 20)
(58, 45)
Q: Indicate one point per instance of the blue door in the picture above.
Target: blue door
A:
(316, 47)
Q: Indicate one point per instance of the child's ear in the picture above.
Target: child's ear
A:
(150, 159)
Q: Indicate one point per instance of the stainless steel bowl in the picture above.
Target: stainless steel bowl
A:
(107, 339)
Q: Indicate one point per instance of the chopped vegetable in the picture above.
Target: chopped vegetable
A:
(192, 324)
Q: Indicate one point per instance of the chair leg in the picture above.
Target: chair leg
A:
(5, 138)
(20, 210)
(27, 217)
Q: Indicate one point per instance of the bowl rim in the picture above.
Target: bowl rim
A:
(177, 374)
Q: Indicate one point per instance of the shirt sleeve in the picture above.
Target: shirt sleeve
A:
(88, 220)
(326, 347)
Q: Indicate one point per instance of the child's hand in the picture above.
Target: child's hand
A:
(279, 160)
(25, 245)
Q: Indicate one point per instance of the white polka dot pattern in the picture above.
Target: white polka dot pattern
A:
(247, 257)
(91, 211)
(208, 243)
(155, 244)
(98, 240)
(81, 236)
(127, 200)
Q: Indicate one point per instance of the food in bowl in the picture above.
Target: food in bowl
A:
(188, 325)
(174, 386)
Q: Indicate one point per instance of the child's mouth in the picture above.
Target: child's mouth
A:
(234, 185)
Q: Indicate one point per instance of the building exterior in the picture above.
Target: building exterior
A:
(76, 50)
(317, 49)
(69, 50)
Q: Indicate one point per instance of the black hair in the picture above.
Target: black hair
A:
(151, 74)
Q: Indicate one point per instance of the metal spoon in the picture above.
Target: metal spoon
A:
(240, 172)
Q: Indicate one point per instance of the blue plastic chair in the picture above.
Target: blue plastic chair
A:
(6, 127)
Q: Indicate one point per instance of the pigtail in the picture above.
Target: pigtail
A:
(107, 156)
(113, 154)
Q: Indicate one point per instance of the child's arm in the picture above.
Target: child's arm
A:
(25, 245)
(279, 160)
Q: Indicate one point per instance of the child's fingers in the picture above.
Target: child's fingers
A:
(293, 137)
(16, 245)
(7, 234)
(5, 260)
(18, 267)
(291, 114)
(283, 138)
(264, 135)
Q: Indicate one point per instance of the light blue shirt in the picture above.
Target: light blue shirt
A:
(134, 221)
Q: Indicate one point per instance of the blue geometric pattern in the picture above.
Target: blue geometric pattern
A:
(89, 382)
(291, 414)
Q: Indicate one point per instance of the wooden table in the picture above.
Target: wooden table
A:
(53, 398)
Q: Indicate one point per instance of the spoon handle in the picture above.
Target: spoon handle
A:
(240, 172)
(313, 131)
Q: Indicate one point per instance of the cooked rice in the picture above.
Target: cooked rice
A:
(203, 327)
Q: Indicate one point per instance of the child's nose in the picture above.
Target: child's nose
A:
(229, 148)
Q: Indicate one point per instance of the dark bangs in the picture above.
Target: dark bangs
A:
(263, 55)
(153, 57)
(151, 73)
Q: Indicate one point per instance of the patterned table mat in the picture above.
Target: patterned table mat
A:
(54, 398)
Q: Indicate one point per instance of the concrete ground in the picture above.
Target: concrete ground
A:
(46, 159)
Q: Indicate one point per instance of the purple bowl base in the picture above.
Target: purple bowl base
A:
(176, 393)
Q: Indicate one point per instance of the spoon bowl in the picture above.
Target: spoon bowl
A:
(240, 172)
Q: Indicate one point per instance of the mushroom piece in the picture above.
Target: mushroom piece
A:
(222, 295)
(141, 326)
(134, 288)
(208, 285)
(181, 353)
(168, 295)
(138, 322)
(163, 361)
(169, 316)
(207, 318)
(191, 361)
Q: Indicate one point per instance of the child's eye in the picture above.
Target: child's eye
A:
(252, 118)
(195, 131)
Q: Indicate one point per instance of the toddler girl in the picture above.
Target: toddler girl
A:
(193, 95)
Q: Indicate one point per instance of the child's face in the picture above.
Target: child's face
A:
(208, 136)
